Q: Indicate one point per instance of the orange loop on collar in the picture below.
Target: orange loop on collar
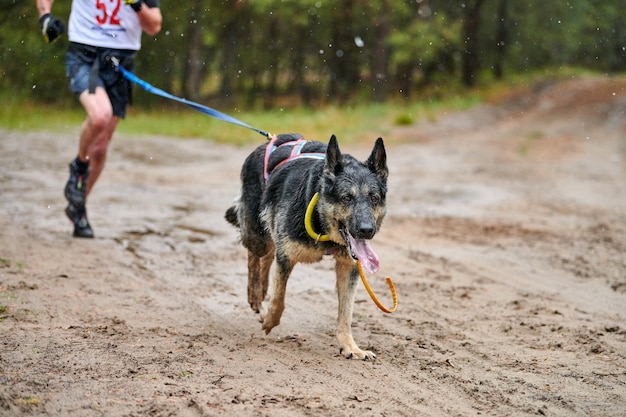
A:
(373, 296)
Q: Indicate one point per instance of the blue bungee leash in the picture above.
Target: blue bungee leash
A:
(199, 107)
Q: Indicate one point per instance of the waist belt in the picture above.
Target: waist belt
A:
(101, 58)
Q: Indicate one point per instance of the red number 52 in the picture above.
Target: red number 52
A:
(112, 19)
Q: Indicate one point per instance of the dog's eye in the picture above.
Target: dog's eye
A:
(374, 199)
(346, 199)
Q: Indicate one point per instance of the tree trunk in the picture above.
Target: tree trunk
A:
(230, 42)
(380, 58)
(269, 97)
(343, 63)
(502, 39)
(617, 58)
(471, 22)
(194, 63)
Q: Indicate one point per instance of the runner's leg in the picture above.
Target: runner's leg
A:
(96, 132)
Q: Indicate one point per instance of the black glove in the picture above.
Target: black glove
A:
(135, 4)
(51, 27)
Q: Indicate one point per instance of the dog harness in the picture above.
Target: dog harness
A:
(296, 153)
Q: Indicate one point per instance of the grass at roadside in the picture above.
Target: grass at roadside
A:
(350, 123)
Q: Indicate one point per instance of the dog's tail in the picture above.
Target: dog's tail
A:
(231, 216)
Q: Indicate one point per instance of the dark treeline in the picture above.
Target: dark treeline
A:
(269, 53)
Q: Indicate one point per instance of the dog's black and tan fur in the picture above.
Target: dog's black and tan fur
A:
(270, 215)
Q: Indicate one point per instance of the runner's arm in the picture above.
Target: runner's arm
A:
(51, 27)
(44, 6)
(149, 16)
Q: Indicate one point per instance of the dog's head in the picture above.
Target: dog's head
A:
(352, 201)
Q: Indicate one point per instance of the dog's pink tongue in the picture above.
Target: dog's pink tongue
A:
(365, 254)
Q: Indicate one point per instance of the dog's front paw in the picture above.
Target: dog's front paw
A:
(268, 322)
(356, 353)
(349, 349)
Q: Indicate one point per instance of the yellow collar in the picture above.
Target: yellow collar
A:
(307, 221)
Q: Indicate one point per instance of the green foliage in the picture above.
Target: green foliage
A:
(279, 53)
(29, 66)
(425, 40)
(427, 46)
(404, 120)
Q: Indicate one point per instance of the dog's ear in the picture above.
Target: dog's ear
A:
(333, 157)
(377, 162)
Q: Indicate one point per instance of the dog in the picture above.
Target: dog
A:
(279, 179)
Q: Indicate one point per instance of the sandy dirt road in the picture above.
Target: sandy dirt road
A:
(506, 239)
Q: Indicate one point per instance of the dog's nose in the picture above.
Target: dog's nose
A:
(366, 231)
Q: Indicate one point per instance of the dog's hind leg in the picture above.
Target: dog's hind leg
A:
(347, 280)
(266, 264)
(255, 291)
(271, 317)
(258, 276)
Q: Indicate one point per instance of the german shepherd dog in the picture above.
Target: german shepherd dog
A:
(279, 180)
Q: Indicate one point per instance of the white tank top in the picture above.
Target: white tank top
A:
(105, 23)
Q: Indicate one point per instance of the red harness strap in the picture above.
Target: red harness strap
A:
(296, 153)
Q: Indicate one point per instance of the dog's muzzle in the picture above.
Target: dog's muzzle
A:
(360, 250)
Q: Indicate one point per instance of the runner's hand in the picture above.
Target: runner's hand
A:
(51, 27)
(135, 4)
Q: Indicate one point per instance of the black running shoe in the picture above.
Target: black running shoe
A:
(76, 187)
(78, 216)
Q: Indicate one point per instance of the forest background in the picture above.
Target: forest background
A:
(266, 54)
